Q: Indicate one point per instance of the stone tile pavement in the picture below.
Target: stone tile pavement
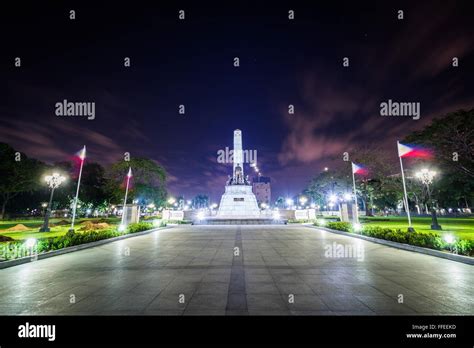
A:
(275, 270)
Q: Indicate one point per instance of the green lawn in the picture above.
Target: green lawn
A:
(34, 226)
(462, 228)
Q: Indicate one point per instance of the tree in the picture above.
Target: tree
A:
(93, 184)
(452, 138)
(326, 183)
(380, 186)
(18, 174)
(147, 184)
(200, 201)
(280, 202)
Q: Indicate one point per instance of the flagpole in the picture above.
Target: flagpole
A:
(126, 194)
(355, 194)
(405, 201)
(83, 158)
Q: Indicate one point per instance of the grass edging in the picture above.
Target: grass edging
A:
(48, 254)
(453, 257)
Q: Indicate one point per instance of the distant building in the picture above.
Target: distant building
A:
(262, 189)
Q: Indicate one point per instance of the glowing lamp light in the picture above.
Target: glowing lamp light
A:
(121, 228)
(200, 215)
(30, 242)
(171, 200)
(276, 215)
(357, 227)
(332, 198)
(347, 196)
(449, 238)
(82, 155)
(312, 205)
(289, 201)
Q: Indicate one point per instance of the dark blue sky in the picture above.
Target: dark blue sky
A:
(190, 62)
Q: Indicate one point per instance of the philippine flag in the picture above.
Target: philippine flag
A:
(358, 169)
(127, 180)
(413, 151)
(81, 154)
(78, 161)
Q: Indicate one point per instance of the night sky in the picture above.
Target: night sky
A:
(190, 62)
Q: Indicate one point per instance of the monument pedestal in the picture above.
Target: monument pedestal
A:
(239, 202)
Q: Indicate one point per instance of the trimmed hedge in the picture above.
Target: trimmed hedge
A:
(425, 240)
(17, 249)
(140, 226)
(341, 226)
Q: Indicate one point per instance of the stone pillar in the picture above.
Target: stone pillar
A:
(238, 153)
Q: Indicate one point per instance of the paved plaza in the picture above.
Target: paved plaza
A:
(238, 270)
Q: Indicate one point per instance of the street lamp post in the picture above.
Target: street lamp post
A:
(426, 176)
(303, 201)
(53, 181)
(44, 205)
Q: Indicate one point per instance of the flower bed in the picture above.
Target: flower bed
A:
(16, 249)
(425, 240)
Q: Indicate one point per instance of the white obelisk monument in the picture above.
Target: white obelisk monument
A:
(238, 201)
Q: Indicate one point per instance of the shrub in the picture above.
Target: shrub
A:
(5, 238)
(298, 221)
(340, 226)
(464, 247)
(69, 239)
(140, 226)
(17, 249)
(425, 240)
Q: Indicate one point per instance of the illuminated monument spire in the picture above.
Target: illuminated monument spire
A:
(238, 201)
(238, 168)
(238, 162)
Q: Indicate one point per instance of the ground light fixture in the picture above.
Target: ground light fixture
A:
(200, 215)
(30, 243)
(357, 227)
(449, 238)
